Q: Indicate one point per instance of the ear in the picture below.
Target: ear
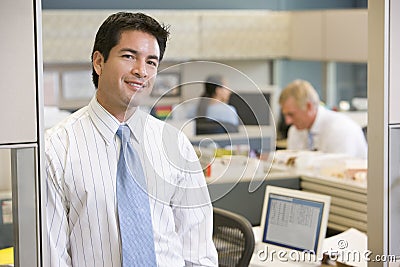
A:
(98, 61)
(311, 109)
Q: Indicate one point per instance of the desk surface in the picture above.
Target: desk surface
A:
(238, 192)
(356, 241)
(256, 261)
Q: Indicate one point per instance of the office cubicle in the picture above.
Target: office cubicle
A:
(240, 198)
(20, 102)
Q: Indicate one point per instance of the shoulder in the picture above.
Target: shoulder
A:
(152, 124)
(162, 134)
(340, 127)
(63, 129)
(336, 119)
(149, 121)
(232, 108)
(222, 108)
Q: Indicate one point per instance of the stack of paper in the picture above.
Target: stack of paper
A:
(348, 247)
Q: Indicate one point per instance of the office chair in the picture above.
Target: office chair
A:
(233, 237)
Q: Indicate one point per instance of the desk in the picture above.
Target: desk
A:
(281, 144)
(256, 262)
(357, 241)
(348, 205)
(349, 197)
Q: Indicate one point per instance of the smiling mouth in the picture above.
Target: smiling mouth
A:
(136, 86)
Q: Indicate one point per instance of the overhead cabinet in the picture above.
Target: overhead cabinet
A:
(68, 35)
(184, 42)
(306, 36)
(329, 35)
(346, 37)
(244, 34)
(334, 35)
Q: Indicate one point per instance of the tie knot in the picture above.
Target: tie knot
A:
(124, 133)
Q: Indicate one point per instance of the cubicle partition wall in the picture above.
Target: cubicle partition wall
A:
(239, 197)
(394, 190)
(383, 130)
(20, 137)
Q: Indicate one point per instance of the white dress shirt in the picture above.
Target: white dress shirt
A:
(81, 165)
(332, 132)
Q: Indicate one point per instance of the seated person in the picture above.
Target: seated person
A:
(213, 108)
(314, 127)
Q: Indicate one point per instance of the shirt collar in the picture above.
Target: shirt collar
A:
(108, 125)
(136, 124)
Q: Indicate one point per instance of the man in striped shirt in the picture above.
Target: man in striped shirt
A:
(83, 150)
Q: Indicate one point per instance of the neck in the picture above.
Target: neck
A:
(217, 99)
(124, 116)
(122, 113)
(313, 117)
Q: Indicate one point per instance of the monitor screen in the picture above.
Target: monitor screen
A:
(252, 108)
(292, 222)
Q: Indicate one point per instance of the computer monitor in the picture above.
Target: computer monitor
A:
(252, 108)
(294, 220)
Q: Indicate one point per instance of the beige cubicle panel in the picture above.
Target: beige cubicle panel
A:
(383, 130)
(18, 98)
(394, 130)
(20, 76)
(346, 35)
(307, 35)
(329, 35)
(394, 94)
(349, 200)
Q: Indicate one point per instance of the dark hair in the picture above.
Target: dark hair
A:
(210, 86)
(110, 31)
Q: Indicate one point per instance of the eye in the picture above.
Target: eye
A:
(152, 63)
(128, 56)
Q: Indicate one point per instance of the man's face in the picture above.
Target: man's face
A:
(129, 73)
(301, 118)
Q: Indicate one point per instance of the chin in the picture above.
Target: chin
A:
(135, 103)
(138, 99)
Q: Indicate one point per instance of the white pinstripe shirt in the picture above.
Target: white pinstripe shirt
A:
(82, 221)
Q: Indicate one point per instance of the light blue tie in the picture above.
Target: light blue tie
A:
(133, 207)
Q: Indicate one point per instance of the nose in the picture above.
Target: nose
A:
(139, 69)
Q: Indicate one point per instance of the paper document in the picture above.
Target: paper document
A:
(349, 247)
